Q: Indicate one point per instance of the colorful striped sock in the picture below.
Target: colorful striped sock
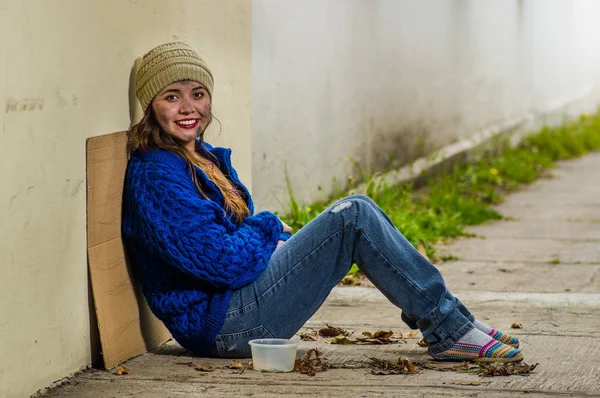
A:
(496, 334)
(478, 346)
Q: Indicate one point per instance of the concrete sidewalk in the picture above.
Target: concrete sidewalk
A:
(542, 270)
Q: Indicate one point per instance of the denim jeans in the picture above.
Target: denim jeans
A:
(301, 274)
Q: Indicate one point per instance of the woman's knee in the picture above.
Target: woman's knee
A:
(360, 204)
(361, 198)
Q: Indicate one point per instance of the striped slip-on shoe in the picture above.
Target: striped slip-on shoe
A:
(494, 351)
(504, 338)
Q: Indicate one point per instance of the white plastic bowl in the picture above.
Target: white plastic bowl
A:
(273, 355)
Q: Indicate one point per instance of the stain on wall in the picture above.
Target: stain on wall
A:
(24, 105)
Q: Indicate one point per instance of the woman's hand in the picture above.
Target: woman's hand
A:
(286, 228)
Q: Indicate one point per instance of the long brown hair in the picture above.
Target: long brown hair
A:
(147, 134)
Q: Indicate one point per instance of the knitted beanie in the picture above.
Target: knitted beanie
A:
(166, 64)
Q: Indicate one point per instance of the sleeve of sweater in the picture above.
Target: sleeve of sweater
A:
(193, 234)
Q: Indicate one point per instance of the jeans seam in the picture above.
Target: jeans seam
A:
(394, 268)
(298, 262)
(228, 313)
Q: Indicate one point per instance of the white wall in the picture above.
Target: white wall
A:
(64, 76)
(370, 79)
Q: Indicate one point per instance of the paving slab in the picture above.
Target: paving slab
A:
(570, 230)
(538, 277)
(525, 250)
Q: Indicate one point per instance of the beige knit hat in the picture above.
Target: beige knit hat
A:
(166, 64)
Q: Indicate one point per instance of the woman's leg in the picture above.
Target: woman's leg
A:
(494, 333)
(303, 271)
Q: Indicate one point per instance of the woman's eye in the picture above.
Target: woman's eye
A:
(171, 97)
(199, 94)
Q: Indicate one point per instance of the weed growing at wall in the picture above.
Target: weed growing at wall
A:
(462, 196)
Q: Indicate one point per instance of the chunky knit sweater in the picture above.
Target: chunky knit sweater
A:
(187, 252)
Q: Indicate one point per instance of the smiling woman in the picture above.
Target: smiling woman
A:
(182, 110)
(218, 275)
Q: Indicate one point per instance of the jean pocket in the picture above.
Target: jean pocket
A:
(235, 345)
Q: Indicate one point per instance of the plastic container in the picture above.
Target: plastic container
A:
(273, 355)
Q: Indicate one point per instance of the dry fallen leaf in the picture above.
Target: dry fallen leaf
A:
(250, 365)
(384, 367)
(423, 343)
(407, 364)
(310, 366)
(505, 369)
(332, 331)
(122, 370)
(350, 280)
(342, 340)
(374, 341)
(410, 335)
(380, 334)
(205, 367)
(483, 369)
(311, 336)
(236, 364)
(516, 325)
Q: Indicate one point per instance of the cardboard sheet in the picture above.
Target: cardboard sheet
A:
(127, 326)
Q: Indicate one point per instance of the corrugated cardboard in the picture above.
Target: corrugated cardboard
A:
(126, 324)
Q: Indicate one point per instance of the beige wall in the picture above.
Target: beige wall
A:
(370, 79)
(64, 76)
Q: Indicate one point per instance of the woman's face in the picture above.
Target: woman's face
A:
(182, 110)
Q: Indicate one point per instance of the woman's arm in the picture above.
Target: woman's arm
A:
(171, 220)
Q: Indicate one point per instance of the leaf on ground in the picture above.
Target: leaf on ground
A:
(374, 341)
(379, 337)
(122, 370)
(423, 343)
(463, 367)
(350, 280)
(483, 369)
(250, 365)
(310, 366)
(205, 367)
(505, 369)
(236, 364)
(342, 340)
(332, 331)
(410, 335)
(380, 334)
(310, 336)
(516, 325)
(383, 367)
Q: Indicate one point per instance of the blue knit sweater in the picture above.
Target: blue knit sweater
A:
(187, 252)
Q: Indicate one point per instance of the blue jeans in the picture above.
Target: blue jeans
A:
(301, 274)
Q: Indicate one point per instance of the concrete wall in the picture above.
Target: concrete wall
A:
(64, 76)
(374, 79)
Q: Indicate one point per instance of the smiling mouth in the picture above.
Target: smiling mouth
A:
(188, 123)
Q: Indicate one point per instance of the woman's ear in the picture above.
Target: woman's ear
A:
(135, 109)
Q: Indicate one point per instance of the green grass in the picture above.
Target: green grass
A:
(463, 195)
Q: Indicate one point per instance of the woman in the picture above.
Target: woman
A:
(218, 275)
